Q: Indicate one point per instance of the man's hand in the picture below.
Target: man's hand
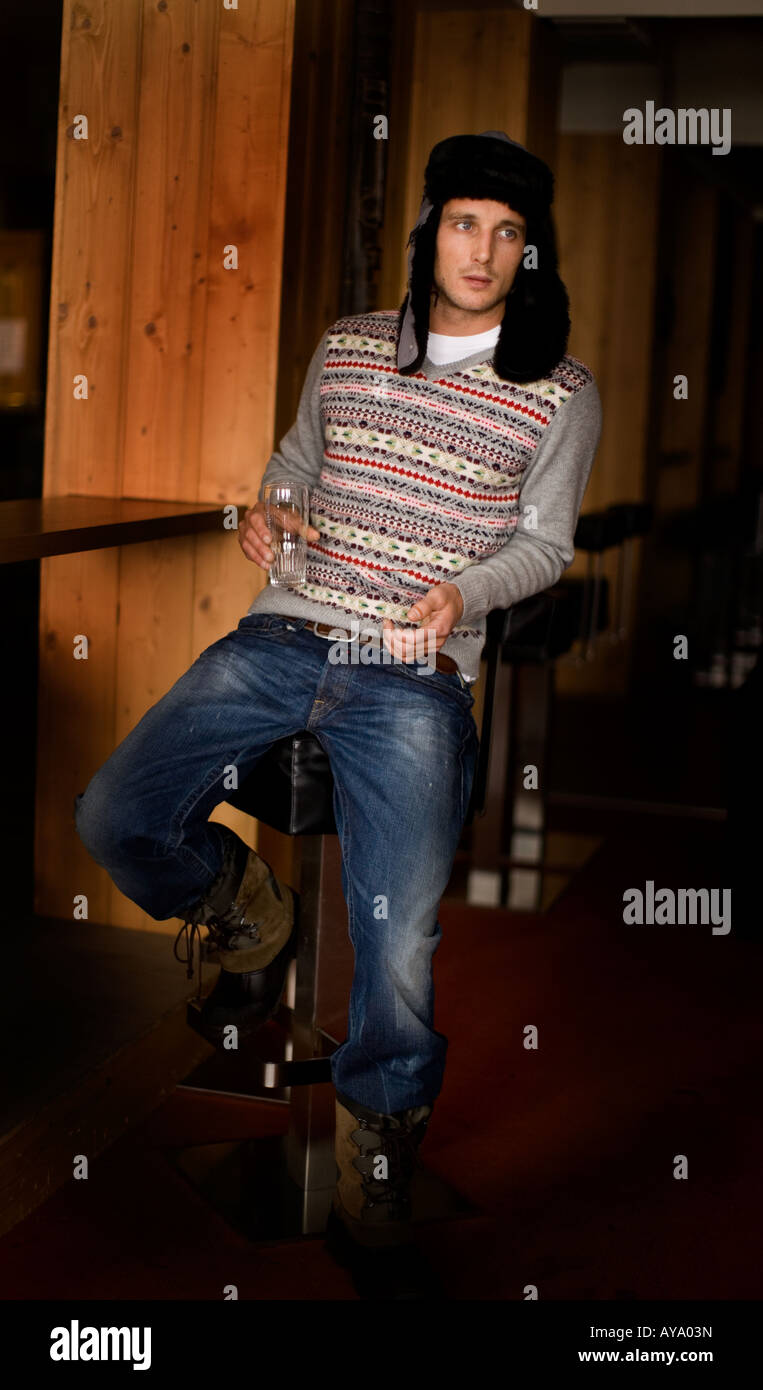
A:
(254, 536)
(437, 614)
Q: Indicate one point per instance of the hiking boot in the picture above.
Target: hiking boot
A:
(369, 1226)
(251, 918)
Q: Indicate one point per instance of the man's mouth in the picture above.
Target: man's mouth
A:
(477, 279)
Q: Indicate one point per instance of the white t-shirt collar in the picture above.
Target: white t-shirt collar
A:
(444, 347)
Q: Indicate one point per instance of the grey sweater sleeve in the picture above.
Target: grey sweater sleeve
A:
(553, 484)
(299, 457)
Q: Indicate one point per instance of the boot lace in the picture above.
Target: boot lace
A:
(187, 959)
(224, 930)
(400, 1148)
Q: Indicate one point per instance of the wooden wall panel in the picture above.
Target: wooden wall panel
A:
(167, 301)
(607, 219)
(76, 710)
(188, 108)
(92, 246)
(397, 194)
(91, 260)
(247, 207)
(319, 138)
(544, 86)
(690, 261)
(608, 205)
(437, 93)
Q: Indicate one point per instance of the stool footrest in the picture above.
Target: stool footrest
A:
(275, 1073)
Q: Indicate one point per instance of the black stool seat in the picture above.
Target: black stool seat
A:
(635, 518)
(545, 626)
(598, 531)
(291, 787)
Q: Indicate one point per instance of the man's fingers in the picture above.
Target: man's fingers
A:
(261, 554)
(255, 537)
(419, 643)
(256, 533)
(257, 556)
(409, 645)
(292, 521)
(254, 546)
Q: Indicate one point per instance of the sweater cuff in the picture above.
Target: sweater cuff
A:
(474, 589)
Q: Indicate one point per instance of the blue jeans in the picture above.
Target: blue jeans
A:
(402, 746)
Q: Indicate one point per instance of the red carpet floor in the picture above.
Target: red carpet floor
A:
(650, 1046)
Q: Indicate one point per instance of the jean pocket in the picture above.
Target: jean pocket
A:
(458, 684)
(449, 682)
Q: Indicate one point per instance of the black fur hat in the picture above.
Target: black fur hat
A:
(536, 321)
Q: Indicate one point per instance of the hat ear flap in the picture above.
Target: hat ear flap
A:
(536, 323)
(422, 282)
(535, 327)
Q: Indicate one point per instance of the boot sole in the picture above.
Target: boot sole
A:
(374, 1272)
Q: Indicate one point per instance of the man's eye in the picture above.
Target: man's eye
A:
(510, 230)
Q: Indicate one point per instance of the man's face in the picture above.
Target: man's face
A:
(477, 238)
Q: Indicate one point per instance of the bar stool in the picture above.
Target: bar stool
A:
(508, 844)
(632, 520)
(595, 533)
(618, 525)
(292, 789)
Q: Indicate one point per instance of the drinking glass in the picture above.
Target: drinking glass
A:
(287, 513)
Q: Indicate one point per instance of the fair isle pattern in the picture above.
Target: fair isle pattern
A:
(420, 478)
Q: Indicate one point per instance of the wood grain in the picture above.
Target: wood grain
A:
(435, 95)
(188, 112)
(607, 218)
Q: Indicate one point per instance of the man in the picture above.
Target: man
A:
(447, 447)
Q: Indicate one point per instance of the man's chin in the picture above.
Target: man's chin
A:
(478, 302)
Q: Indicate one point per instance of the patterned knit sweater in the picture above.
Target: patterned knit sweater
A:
(448, 475)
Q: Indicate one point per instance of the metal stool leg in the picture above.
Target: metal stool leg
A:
(321, 990)
(487, 875)
(527, 808)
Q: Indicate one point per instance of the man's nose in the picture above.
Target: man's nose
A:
(482, 249)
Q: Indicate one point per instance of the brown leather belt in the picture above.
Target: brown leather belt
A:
(442, 662)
